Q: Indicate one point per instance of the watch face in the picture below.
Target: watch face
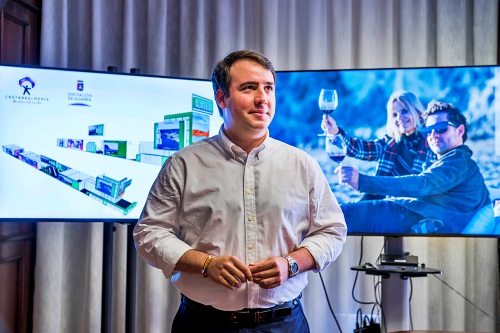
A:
(294, 268)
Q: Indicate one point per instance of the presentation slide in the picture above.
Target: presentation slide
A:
(88, 145)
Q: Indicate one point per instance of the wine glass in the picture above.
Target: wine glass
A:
(336, 148)
(327, 101)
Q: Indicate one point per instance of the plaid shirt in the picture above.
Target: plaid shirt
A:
(385, 151)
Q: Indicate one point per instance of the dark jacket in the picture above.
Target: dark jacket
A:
(451, 189)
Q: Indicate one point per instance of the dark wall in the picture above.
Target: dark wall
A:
(19, 44)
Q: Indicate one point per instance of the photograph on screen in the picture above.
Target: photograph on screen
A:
(361, 111)
(96, 130)
(115, 148)
(167, 134)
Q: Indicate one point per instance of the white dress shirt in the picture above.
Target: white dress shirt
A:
(213, 197)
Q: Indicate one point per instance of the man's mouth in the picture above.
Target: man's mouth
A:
(258, 112)
(436, 142)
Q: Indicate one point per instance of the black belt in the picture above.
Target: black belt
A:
(245, 316)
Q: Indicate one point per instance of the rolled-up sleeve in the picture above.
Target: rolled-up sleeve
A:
(156, 235)
(328, 231)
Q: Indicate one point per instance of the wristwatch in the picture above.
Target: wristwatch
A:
(293, 268)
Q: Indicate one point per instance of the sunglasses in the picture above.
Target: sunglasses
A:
(439, 128)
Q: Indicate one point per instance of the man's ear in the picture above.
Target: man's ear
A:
(461, 130)
(220, 98)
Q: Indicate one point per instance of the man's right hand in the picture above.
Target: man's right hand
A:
(228, 271)
(348, 175)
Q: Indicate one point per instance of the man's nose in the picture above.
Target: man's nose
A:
(261, 96)
(433, 133)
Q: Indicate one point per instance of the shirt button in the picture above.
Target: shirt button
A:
(249, 191)
(251, 247)
(250, 218)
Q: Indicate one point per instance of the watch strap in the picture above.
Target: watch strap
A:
(293, 267)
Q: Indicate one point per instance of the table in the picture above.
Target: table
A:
(403, 273)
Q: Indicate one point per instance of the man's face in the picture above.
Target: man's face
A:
(441, 143)
(250, 106)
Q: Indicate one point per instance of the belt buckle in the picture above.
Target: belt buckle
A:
(235, 318)
(248, 317)
(257, 317)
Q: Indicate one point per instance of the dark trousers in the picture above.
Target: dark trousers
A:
(204, 319)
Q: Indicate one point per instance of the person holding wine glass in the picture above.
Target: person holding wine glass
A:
(403, 150)
(443, 198)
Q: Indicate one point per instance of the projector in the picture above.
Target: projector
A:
(389, 261)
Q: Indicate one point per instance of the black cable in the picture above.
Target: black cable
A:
(356, 277)
(380, 254)
(361, 250)
(352, 292)
(379, 303)
(409, 303)
(377, 288)
(378, 296)
(377, 292)
(465, 298)
(371, 313)
(359, 315)
(329, 305)
(378, 315)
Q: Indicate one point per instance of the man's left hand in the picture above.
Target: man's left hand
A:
(270, 273)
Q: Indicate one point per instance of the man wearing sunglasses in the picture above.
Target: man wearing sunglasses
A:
(441, 199)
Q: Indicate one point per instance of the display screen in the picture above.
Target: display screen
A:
(87, 146)
(361, 112)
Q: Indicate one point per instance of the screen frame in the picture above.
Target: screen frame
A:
(279, 76)
(131, 76)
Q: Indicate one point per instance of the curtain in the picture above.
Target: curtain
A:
(185, 38)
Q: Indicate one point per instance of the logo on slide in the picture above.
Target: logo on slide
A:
(27, 83)
(79, 98)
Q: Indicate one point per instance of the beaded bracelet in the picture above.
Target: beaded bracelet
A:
(205, 266)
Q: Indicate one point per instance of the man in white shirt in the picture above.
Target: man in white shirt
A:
(235, 220)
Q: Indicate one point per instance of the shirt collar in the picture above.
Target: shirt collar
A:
(234, 151)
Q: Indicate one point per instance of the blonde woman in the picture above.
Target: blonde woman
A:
(403, 150)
